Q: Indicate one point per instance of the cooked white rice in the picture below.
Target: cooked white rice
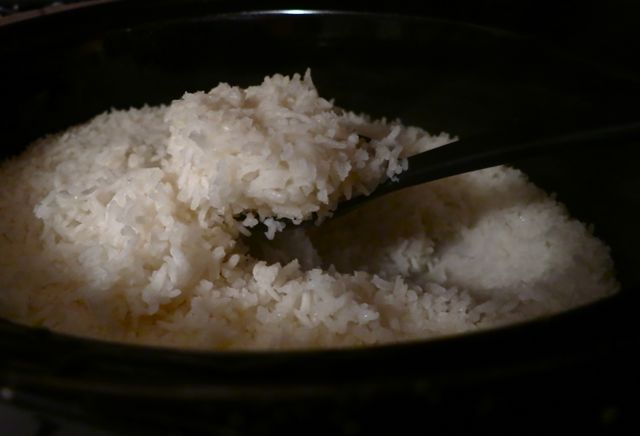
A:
(123, 229)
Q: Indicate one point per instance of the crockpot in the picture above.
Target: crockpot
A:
(574, 371)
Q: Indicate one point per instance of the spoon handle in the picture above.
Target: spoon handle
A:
(477, 153)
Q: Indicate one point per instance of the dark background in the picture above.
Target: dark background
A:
(603, 33)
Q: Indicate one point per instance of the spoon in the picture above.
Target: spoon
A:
(472, 154)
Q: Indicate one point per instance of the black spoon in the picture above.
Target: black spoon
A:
(467, 155)
(472, 154)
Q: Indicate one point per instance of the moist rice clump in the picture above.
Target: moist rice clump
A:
(137, 227)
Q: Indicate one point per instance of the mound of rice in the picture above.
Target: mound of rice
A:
(126, 228)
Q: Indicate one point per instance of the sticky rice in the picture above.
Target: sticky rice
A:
(137, 227)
